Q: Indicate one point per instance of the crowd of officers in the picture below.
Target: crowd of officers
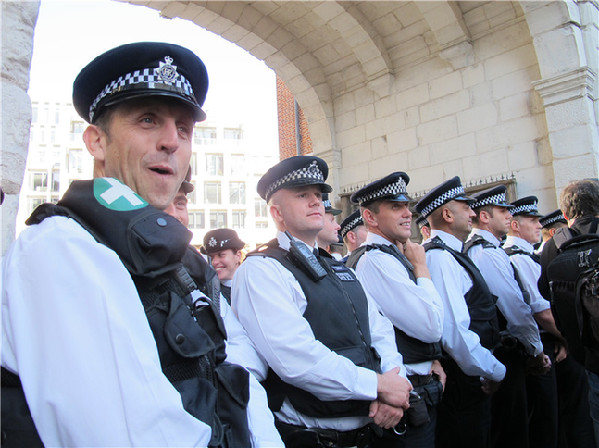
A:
(117, 332)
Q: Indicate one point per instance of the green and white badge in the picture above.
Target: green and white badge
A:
(115, 195)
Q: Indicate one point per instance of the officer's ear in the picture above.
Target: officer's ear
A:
(369, 218)
(447, 214)
(515, 225)
(95, 141)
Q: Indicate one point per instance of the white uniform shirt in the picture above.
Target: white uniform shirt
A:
(75, 331)
(529, 272)
(453, 282)
(414, 308)
(270, 304)
(494, 264)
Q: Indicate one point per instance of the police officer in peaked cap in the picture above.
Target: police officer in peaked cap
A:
(334, 366)
(113, 332)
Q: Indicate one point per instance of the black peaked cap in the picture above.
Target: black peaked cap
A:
(137, 70)
(389, 188)
(450, 190)
(491, 196)
(328, 207)
(526, 206)
(550, 218)
(351, 222)
(296, 171)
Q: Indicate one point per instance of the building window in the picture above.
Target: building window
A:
(218, 219)
(261, 225)
(238, 219)
(238, 165)
(34, 114)
(197, 219)
(39, 181)
(261, 208)
(237, 192)
(75, 161)
(55, 181)
(77, 128)
(191, 197)
(212, 193)
(214, 164)
(194, 164)
(204, 136)
(232, 134)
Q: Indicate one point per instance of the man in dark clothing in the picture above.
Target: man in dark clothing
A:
(579, 202)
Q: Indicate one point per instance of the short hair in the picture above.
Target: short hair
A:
(486, 208)
(580, 198)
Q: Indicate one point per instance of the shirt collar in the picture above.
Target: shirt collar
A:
(513, 240)
(448, 239)
(284, 241)
(374, 238)
(486, 235)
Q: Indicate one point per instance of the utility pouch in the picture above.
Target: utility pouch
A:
(417, 413)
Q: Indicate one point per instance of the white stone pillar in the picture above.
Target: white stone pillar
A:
(18, 23)
(568, 86)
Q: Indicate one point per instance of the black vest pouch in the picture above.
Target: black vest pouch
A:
(233, 398)
(183, 334)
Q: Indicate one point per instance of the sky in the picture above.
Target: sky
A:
(69, 34)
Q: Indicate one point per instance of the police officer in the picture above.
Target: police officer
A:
(520, 334)
(550, 223)
(424, 227)
(353, 232)
(393, 271)
(113, 343)
(470, 328)
(334, 368)
(329, 235)
(542, 389)
(224, 246)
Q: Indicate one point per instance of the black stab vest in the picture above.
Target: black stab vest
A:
(413, 350)
(476, 240)
(480, 301)
(189, 332)
(337, 312)
(515, 250)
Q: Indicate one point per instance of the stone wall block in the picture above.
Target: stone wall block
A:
(402, 141)
(514, 106)
(453, 149)
(522, 155)
(438, 131)
(572, 141)
(418, 158)
(445, 85)
(477, 118)
(447, 105)
(554, 51)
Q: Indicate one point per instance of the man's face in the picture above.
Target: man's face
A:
(328, 234)
(148, 147)
(178, 208)
(462, 219)
(499, 223)
(299, 210)
(530, 228)
(226, 263)
(394, 221)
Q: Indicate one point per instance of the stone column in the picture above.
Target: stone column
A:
(18, 22)
(569, 84)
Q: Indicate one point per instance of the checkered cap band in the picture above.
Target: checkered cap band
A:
(311, 172)
(498, 198)
(147, 78)
(351, 225)
(442, 199)
(548, 221)
(524, 208)
(389, 190)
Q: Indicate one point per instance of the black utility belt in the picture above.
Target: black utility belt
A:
(360, 437)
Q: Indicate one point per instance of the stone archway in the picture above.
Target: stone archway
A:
(478, 89)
